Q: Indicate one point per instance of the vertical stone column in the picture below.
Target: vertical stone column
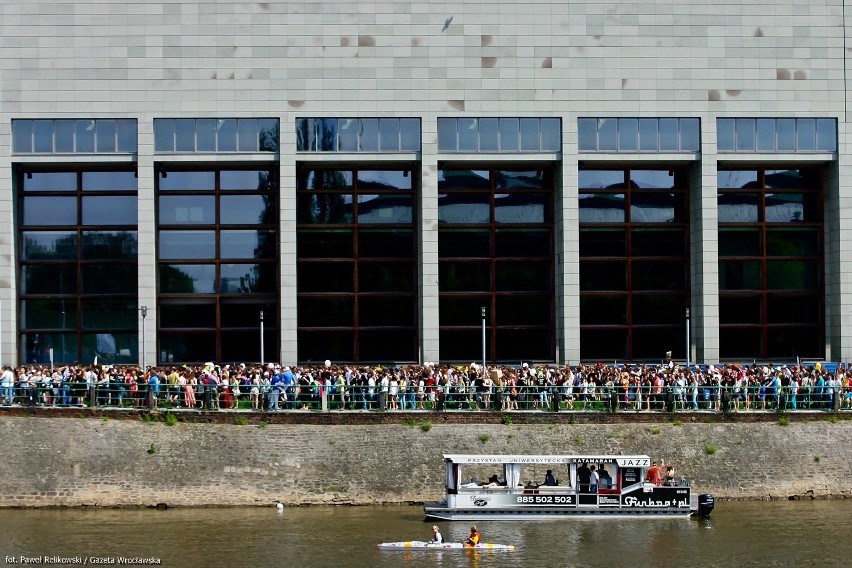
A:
(838, 252)
(704, 250)
(8, 260)
(147, 237)
(287, 351)
(428, 227)
(567, 236)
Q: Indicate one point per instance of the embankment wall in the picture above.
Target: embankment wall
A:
(99, 461)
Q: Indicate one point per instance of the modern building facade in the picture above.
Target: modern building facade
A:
(409, 181)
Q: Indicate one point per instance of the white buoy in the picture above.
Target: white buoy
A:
(279, 505)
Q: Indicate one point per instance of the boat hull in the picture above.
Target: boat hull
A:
(438, 513)
(424, 545)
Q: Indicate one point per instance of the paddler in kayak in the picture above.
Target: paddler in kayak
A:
(437, 538)
(473, 538)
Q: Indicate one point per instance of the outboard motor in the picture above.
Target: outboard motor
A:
(705, 505)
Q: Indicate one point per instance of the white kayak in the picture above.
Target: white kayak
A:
(425, 545)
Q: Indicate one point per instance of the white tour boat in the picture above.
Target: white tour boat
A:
(559, 486)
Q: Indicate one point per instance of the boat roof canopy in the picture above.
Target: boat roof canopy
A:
(623, 461)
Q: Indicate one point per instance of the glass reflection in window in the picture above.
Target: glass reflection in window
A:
(187, 245)
(50, 211)
(384, 209)
(187, 279)
(246, 210)
(187, 209)
(257, 244)
(602, 208)
(110, 210)
(520, 207)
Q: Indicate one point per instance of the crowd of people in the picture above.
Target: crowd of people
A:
(272, 387)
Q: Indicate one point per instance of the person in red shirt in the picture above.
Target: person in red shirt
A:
(654, 474)
(473, 538)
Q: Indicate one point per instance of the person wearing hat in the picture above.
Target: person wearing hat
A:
(473, 538)
(437, 538)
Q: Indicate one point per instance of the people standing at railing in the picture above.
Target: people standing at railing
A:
(7, 386)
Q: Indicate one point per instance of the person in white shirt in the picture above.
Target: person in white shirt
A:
(7, 386)
(437, 538)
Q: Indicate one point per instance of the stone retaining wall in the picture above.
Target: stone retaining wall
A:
(106, 462)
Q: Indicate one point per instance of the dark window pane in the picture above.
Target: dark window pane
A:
(524, 310)
(389, 135)
(185, 135)
(463, 310)
(551, 135)
(793, 309)
(326, 134)
(50, 211)
(739, 242)
(205, 135)
(528, 243)
(226, 135)
(385, 209)
(35, 347)
(109, 245)
(187, 245)
(63, 137)
(22, 136)
(805, 134)
(341, 180)
(524, 344)
(84, 136)
(602, 179)
(468, 135)
(530, 135)
(657, 208)
(690, 134)
(669, 134)
(659, 275)
(409, 134)
(603, 242)
(658, 309)
(316, 346)
(508, 180)
(802, 241)
(49, 279)
(113, 347)
(324, 209)
(464, 345)
(740, 342)
(509, 133)
(792, 179)
(325, 277)
(736, 179)
(653, 342)
(186, 180)
(43, 136)
(648, 139)
(464, 208)
(164, 135)
(488, 133)
(523, 276)
(49, 314)
(105, 133)
(600, 344)
(464, 243)
(387, 310)
(386, 243)
(522, 208)
(739, 275)
(725, 135)
(247, 278)
(185, 314)
(464, 179)
(330, 243)
(187, 279)
(248, 210)
(603, 310)
(658, 242)
(247, 134)
(792, 342)
(109, 278)
(261, 180)
(49, 245)
(792, 275)
(765, 134)
(347, 134)
(628, 134)
(447, 135)
(109, 181)
(656, 179)
(187, 209)
(256, 244)
(304, 135)
(464, 276)
(826, 134)
(192, 347)
(269, 133)
(50, 181)
(785, 133)
(386, 277)
(587, 134)
(109, 314)
(600, 276)
(378, 345)
(602, 208)
(792, 208)
(112, 210)
(244, 345)
(738, 207)
(368, 137)
(745, 134)
(740, 309)
(608, 134)
(239, 312)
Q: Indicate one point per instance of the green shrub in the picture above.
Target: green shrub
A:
(783, 421)
(709, 449)
(677, 423)
(425, 425)
(484, 438)
(170, 419)
(654, 430)
(507, 420)
(263, 424)
(241, 421)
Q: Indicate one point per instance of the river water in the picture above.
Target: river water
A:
(755, 533)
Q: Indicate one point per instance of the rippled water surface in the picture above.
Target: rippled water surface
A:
(738, 534)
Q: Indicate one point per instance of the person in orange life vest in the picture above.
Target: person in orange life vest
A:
(473, 538)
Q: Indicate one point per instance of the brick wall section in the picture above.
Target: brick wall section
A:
(47, 461)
